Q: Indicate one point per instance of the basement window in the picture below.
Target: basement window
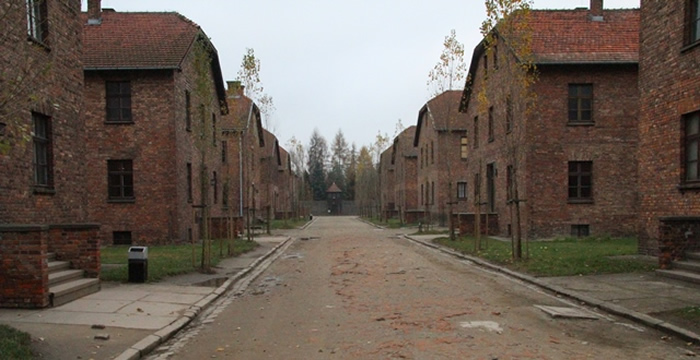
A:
(121, 238)
(580, 230)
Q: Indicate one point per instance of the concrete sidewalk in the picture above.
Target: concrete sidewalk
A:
(644, 298)
(126, 321)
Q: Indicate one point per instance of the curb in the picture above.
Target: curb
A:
(635, 316)
(150, 342)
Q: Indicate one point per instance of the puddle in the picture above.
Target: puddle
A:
(216, 282)
(491, 326)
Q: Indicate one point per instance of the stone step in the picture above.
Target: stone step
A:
(693, 256)
(680, 275)
(58, 277)
(691, 266)
(72, 290)
(58, 266)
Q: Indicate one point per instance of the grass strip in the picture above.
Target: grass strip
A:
(168, 260)
(560, 257)
(14, 344)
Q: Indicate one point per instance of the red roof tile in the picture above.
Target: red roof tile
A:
(137, 40)
(570, 36)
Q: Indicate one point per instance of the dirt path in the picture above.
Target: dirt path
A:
(355, 292)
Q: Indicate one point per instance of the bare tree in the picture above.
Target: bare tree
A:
(249, 76)
(447, 74)
(507, 29)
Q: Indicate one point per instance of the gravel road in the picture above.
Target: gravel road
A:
(345, 290)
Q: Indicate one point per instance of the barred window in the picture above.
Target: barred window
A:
(120, 179)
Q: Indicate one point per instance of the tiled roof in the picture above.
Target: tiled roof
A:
(153, 40)
(570, 36)
(334, 189)
(444, 112)
(574, 37)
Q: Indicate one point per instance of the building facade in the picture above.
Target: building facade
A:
(42, 155)
(566, 150)
(669, 186)
(154, 99)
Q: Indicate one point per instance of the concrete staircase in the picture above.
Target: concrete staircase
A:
(66, 284)
(688, 270)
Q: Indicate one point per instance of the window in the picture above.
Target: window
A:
(509, 183)
(224, 196)
(422, 192)
(491, 186)
(432, 153)
(580, 103)
(37, 24)
(476, 132)
(224, 151)
(189, 182)
(462, 190)
(692, 146)
(580, 184)
(43, 169)
(213, 129)
(215, 184)
(693, 21)
(121, 238)
(421, 157)
(495, 57)
(491, 124)
(120, 179)
(464, 147)
(580, 230)
(202, 120)
(509, 114)
(188, 111)
(486, 65)
(432, 192)
(119, 101)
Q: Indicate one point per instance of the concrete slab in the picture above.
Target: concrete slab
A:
(174, 298)
(567, 312)
(144, 308)
(94, 306)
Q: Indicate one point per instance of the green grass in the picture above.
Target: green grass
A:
(287, 223)
(14, 344)
(562, 257)
(392, 223)
(167, 260)
(691, 313)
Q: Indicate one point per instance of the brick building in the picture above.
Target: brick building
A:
(154, 99)
(398, 179)
(43, 217)
(245, 140)
(669, 122)
(573, 156)
(440, 132)
(387, 184)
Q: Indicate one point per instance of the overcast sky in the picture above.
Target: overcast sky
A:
(354, 65)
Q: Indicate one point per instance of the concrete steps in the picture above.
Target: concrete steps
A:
(66, 284)
(688, 270)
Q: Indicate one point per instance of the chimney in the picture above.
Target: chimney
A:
(235, 89)
(94, 12)
(596, 13)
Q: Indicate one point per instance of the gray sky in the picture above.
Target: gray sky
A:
(354, 65)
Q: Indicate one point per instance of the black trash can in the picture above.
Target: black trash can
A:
(138, 264)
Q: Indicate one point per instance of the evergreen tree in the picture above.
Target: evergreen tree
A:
(316, 165)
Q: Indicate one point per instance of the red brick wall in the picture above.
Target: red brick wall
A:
(79, 244)
(53, 86)
(670, 87)
(23, 266)
(545, 144)
(160, 147)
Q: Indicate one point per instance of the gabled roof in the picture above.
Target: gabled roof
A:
(139, 40)
(443, 110)
(403, 144)
(144, 41)
(334, 189)
(573, 37)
